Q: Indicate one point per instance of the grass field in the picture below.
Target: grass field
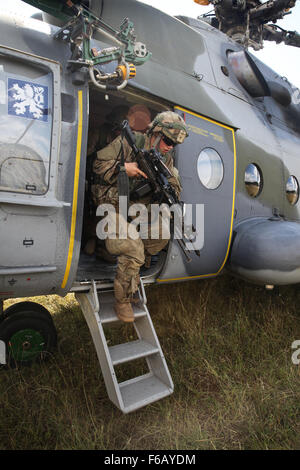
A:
(228, 348)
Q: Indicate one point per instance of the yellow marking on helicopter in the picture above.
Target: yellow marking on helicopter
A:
(205, 133)
(75, 192)
(233, 200)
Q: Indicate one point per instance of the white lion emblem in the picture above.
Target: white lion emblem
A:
(29, 96)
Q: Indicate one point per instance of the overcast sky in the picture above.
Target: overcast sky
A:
(285, 60)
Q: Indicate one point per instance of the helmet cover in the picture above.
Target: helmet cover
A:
(171, 125)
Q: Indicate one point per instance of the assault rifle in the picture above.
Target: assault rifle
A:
(151, 163)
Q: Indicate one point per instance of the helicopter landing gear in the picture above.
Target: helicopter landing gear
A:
(29, 334)
(27, 306)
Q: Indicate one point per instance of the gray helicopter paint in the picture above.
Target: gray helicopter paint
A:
(40, 225)
(259, 139)
(267, 250)
(184, 70)
(256, 138)
(218, 218)
(278, 126)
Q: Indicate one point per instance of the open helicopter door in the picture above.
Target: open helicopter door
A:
(206, 162)
(41, 129)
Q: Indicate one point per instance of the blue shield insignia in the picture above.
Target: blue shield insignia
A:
(27, 99)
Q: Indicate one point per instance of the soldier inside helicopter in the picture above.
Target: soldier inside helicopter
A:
(104, 126)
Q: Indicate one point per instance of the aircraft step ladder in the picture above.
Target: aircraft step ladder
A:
(132, 394)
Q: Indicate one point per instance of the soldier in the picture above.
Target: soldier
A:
(139, 118)
(98, 139)
(166, 131)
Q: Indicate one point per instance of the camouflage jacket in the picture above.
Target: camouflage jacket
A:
(105, 165)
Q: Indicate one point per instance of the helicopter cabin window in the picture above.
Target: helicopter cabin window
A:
(210, 168)
(25, 126)
(253, 180)
(292, 190)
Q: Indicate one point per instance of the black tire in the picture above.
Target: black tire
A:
(28, 337)
(27, 306)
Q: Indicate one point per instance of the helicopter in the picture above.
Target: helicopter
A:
(251, 22)
(61, 74)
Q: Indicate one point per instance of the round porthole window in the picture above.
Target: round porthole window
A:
(253, 180)
(292, 190)
(210, 168)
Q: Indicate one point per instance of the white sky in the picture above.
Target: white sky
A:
(283, 59)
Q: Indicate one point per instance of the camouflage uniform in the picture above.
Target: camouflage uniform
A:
(98, 139)
(105, 166)
(130, 252)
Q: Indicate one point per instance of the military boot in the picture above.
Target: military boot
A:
(122, 305)
(125, 289)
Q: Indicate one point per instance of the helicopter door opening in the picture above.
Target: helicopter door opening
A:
(105, 115)
(206, 162)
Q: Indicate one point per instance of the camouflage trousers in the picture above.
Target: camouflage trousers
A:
(131, 253)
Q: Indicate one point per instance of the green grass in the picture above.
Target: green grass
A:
(228, 348)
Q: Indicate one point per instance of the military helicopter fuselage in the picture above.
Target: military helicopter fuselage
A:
(240, 163)
(41, 217)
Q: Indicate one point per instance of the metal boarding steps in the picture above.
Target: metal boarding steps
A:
(139, 391)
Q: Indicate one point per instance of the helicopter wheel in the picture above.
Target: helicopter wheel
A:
(28, 337)
(27, 306)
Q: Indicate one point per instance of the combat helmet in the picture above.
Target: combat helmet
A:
(170, 124)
